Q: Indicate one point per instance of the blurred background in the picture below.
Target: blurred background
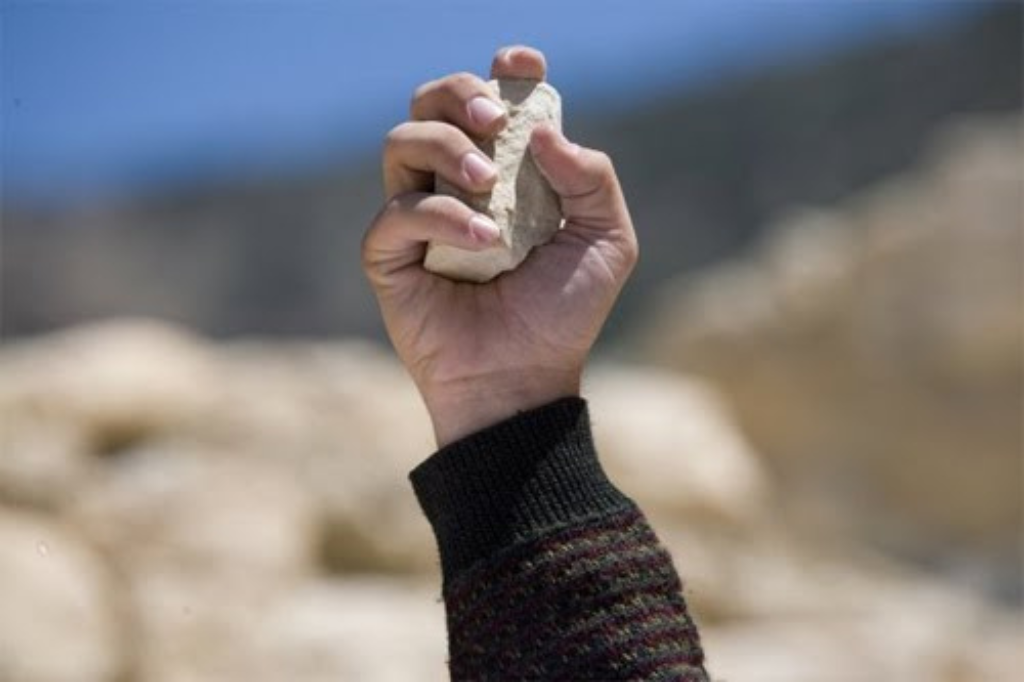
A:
(812, 383)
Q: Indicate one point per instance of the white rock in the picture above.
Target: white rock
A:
(522, 202)
(181, 505)
(57, 621)
(42, 461)
(116, 382)
(316, 630)
(872, 354)
(671, 441)
(244, 523)
(364, 629)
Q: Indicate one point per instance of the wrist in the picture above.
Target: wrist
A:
(461, 408)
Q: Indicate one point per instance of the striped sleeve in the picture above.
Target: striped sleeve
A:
(549, 571)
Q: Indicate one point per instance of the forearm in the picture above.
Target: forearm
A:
(549, 571)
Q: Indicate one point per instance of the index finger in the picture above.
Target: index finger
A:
(519, 61)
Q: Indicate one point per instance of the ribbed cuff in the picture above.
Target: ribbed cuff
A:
(513, 481)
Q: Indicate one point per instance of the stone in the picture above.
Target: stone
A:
(260, 526)
(522, 202)
(655, 430)
(43, 461)
(872, 354)
(107, 384)
(238, 517)
(58, 618)
(366, 628)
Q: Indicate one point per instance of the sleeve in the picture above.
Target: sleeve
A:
(550, 572)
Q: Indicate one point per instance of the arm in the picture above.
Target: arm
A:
(550, 572)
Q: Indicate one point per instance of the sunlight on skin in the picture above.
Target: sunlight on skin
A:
(481, 353)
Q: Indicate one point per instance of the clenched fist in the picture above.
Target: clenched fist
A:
(479, 353)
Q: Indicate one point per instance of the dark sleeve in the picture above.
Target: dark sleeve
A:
(550, 572)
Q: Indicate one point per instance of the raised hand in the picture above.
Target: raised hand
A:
(479, 353)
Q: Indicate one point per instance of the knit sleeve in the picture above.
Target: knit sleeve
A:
(549, 571)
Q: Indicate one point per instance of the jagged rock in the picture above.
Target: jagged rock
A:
(522, 202)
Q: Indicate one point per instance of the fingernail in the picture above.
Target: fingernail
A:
(484, 111)
(477, 168)
(484, 229)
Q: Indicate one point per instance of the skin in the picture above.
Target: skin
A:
(480, 353)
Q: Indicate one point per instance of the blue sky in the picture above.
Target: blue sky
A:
(119, 95)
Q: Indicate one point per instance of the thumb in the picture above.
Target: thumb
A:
(584, 178)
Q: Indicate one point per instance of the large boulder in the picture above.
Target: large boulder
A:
(671, 442)
(59, 615)
(200, 511)
(260, 526)
(872, 353)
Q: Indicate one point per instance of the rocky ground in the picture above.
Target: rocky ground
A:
(177, 510)
(174, 509)
(873, 352)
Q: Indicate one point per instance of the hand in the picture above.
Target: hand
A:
(479, 353)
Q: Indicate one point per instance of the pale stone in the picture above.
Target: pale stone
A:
(239, 536)
(58, 618)
(654, 431)
(872, 354)
(235, 516)
(522, 202)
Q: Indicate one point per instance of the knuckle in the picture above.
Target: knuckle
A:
(602, 169)
(445, 141)
(366, 248)
(419, 95)
(603, 166)
(461, 81)
(373, 232)
(631, 251)
(390, 206)
(449, 137)
(394, 138)
(364, 251)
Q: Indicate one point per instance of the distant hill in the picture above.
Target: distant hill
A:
(703, 173)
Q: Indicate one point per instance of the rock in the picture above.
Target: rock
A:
(891, 627)
(113, 383)
(872, 354)
(522, 202)
(236, 517)
(670, 441)
(261, 527)
(364, 629)
(122, 417)
(58, 619)
(357, 629)
(327, 413)
(42, 461)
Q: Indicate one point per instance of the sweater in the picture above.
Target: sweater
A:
(549, 571)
